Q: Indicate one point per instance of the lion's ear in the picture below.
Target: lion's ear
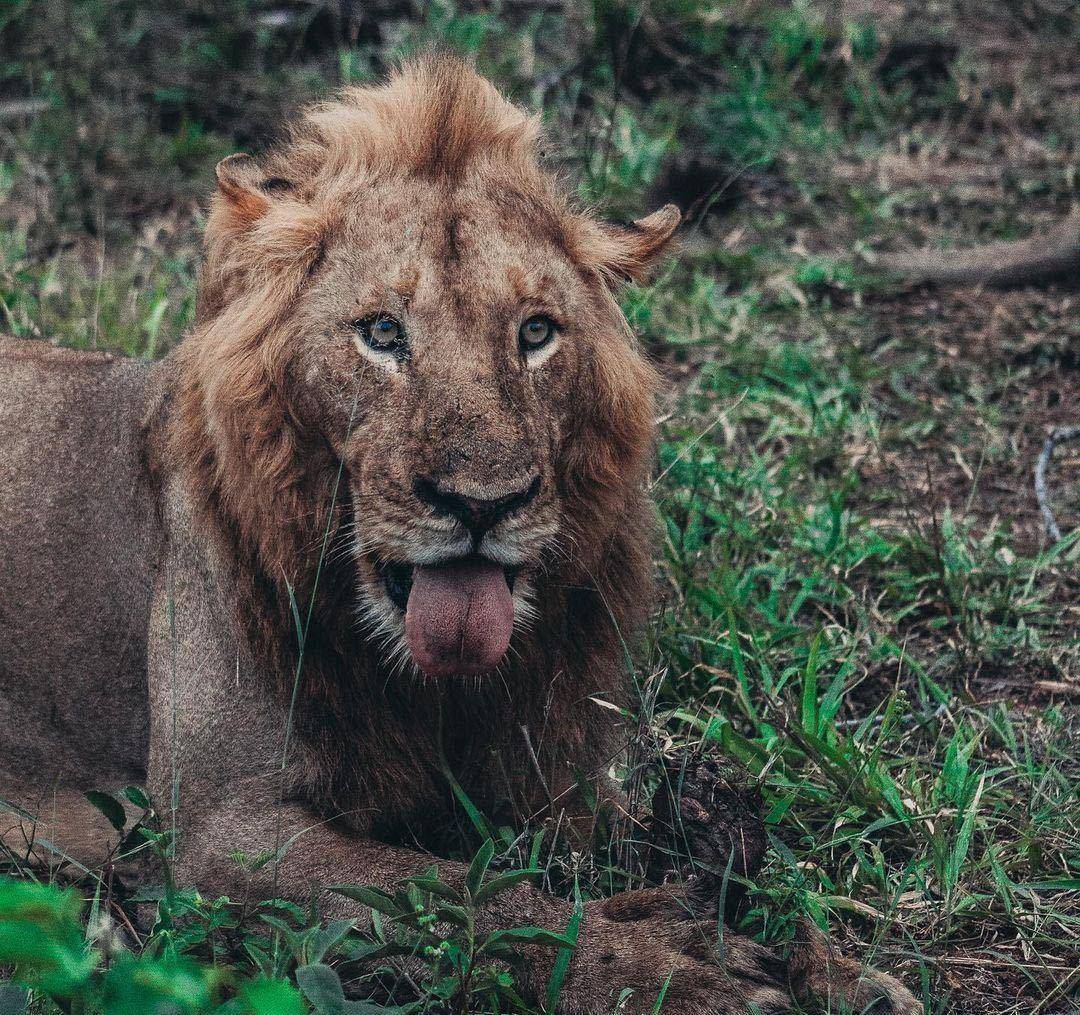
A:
(629, 252)
(247, 188)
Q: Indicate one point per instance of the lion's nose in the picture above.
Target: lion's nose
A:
(477, 514)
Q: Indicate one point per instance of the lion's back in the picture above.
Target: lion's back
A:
(75, 557)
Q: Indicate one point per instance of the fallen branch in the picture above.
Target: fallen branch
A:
(1056, 436)
(1043, 256)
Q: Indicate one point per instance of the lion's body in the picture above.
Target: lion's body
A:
(411, 514)
(77, 551)
(94, 525)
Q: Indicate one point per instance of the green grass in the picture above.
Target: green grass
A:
(822, 646)
(857, 600)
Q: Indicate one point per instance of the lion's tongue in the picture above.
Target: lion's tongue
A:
(459, 617)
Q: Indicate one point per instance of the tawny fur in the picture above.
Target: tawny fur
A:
(163, 526)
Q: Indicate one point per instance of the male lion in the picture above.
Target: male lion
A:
(411, 407)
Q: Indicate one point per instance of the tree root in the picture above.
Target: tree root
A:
(707, 826)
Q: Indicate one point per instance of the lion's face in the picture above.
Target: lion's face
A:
(453, 341)
(457, 345)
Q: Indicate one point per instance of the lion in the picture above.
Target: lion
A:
(383, 511)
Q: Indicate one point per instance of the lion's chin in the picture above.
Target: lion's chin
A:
(459, 615)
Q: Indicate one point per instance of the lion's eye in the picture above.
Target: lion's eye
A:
(382, 333)
(536, 332)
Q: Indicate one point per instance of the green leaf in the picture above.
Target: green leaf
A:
(963, 840)
(260, 957)
(453, 914)
(537, 844)
(137, 797)
(409, 901)
(663, 992)
(110, 807)
(831, 701)
(322, 941)
(480, 823)
(269, 997)
(322, 987)
(42, 936)
(372, 951)
(562, 960)
(810, 685)
(954, 772)
(434, 886)
(373, 898)
(478, 868)
(527, 936)
(293, 940)
(501, 882)
(137, 986)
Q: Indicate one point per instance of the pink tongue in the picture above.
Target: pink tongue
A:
(459, 617)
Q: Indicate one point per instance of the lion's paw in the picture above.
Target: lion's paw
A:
(639, 946)
(819, 973)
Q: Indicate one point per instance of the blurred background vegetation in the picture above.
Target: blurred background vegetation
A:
(859, 598)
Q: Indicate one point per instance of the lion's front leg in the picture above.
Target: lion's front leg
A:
(631, 948)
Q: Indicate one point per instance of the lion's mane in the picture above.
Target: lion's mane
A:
(263, 476)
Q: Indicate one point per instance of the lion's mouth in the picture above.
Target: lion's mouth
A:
(459, 615)
(397, 579)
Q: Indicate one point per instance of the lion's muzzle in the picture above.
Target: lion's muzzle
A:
(477, 514)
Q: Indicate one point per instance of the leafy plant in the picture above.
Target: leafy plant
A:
(43, 941)
(440, 926)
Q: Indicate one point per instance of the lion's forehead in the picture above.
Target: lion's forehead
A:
(462, 252)
(490, 196)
